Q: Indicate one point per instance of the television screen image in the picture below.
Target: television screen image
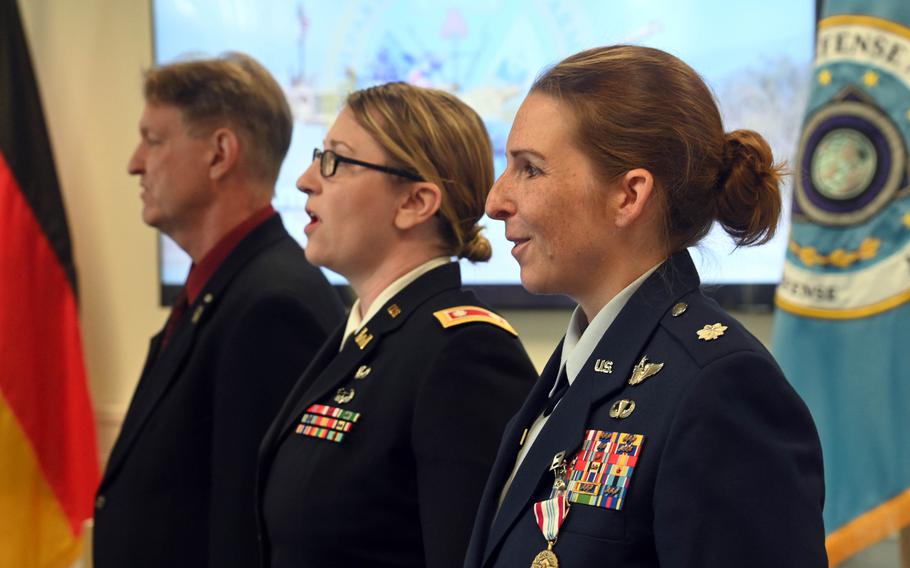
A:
(755, 56)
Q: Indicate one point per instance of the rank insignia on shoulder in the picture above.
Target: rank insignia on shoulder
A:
(602, 469)
(458, 315)
(326, 422)
(711, 331)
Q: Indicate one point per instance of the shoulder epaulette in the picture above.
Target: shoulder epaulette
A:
(458, 315)
(706, 332)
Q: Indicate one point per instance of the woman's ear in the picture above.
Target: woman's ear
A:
(632, 193)
(421, 202)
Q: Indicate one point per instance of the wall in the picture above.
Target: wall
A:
(88, 56)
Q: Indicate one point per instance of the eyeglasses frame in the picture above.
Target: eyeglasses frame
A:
(318, 155)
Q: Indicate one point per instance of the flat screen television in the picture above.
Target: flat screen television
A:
(756, 57)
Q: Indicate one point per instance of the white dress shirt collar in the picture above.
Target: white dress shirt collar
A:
(582, 337)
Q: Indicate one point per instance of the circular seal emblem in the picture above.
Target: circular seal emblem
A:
(851, 162)
(843, 164)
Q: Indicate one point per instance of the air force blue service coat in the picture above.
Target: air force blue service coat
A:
(718, 463)
(380, 456)
(179, 485)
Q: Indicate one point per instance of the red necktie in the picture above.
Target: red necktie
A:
(177, 311)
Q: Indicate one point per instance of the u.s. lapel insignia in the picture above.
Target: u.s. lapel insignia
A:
(394, 310)
(362, 372)
(679, 309)
(344, 395)
(603, 366)
(622, 409)
(643, 370)
(711, 331)
(363, 338)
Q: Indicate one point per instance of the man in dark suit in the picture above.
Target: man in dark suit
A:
(178, 489)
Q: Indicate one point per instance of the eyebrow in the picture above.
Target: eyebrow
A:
(334, 144)
(518, 152)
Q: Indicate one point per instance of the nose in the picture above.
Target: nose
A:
(498, 205)
(310, 181)
(136, 165)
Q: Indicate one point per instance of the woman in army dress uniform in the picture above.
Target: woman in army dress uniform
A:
(380, 454)
(661, 433)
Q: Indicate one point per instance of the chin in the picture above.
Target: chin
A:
(534, 283)
(313, 256)
(150, 218)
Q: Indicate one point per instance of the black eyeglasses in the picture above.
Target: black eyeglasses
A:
(329, 160)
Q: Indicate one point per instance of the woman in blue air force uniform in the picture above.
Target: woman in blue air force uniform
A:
(678, 442)
(380, 454)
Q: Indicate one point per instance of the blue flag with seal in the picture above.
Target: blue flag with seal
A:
(842, 329)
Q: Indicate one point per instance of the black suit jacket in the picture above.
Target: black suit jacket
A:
(401, 487)
(179, 484)
(730, 470)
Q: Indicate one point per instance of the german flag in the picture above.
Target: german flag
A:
(48, 459)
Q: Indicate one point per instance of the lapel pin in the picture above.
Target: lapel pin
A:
(363, 338)
(679, 309)
(643, 370)
(344, 395)
(197, 314)
(208, 298)
(711, 331)
(362, 371)
(603, 366)
(622, 409)
(394, 310)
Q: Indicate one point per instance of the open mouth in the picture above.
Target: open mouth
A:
(314, 221)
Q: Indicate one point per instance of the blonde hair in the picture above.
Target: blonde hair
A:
(441, 139)
(233, 89)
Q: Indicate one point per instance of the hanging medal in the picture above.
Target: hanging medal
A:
(551, 513)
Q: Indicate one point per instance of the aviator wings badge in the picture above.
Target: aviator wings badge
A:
(643, 370)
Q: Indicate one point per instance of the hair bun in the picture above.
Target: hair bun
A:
(748, 205)
(477, 248)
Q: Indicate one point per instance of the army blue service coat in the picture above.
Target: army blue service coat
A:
(717, 465)
(380, 455)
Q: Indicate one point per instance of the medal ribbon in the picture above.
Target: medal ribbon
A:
(550, 515)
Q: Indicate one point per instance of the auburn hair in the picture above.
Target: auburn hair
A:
(639, 107)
